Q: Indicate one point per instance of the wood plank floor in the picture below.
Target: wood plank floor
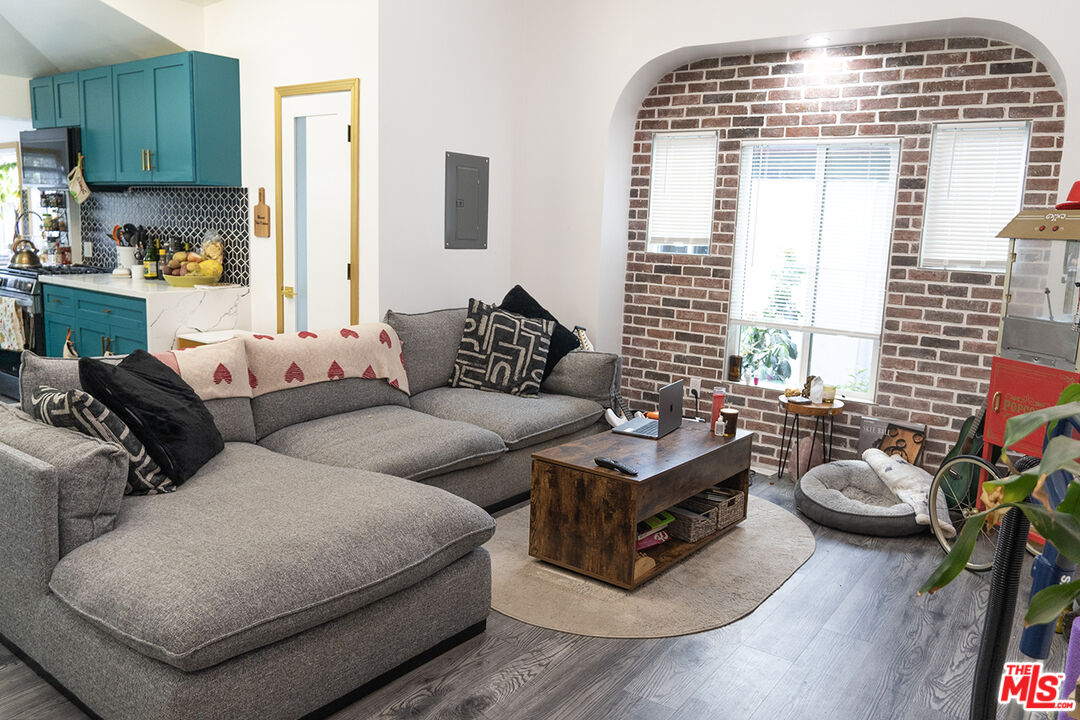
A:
(845, 637)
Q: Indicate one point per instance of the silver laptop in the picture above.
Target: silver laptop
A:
(671, 397)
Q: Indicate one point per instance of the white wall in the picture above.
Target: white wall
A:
(448, 82)
(547, 90)
(10, 129)
(14, 98)
(574, 127)
(279, 43)
(181, 21)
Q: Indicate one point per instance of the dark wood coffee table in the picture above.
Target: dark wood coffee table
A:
(584, 517)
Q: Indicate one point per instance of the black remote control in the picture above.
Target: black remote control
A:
(615, 465)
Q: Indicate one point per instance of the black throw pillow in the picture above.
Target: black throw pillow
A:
(501, 351)
(562, 340)
(160, 409)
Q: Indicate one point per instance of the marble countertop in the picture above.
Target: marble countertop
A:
(127, 286)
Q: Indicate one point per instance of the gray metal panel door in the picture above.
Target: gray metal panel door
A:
(466, 202)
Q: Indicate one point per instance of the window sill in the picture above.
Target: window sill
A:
(779, 389)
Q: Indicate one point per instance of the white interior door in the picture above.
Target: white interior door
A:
(316, 209)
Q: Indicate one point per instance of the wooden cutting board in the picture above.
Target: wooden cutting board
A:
(262, 216)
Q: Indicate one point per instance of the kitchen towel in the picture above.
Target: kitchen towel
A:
(11, 325)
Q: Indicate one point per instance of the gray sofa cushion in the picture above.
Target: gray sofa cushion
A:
(430, 341)
(848, 495)
(283, 408)
(91, 474)
(388, 439)
(586, 374)
(204, 574)
(519, 421)
(232, 416)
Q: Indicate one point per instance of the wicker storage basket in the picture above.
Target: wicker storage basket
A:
(728, 511)
(694, 520)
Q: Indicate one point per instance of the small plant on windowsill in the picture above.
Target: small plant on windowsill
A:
(767, 353)
(1060, 525)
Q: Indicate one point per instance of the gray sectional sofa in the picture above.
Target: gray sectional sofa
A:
(335, 540)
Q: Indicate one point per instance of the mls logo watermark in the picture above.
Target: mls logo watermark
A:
(1027, 684)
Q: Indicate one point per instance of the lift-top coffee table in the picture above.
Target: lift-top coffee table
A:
(584, 518)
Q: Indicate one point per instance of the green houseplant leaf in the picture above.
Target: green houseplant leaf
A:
(955, 562)
(1071, 502)
(1019, 427)
(1061, 529)
(1059, 454)
(1049, 602)
(1016, 487)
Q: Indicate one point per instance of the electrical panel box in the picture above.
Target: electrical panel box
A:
(466, 202)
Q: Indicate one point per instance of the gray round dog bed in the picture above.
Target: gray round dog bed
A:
(848, 495)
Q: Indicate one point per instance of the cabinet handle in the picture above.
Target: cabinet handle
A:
(56, 300)
(149, 162)
(106, 310)
(142, 159)
(996, 404)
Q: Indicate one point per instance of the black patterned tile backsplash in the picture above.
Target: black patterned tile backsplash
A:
(184, 212)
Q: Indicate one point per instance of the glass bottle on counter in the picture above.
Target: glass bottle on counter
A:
(150, 262)
(163, 260)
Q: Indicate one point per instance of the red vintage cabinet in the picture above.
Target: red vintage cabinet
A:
(1018, 387)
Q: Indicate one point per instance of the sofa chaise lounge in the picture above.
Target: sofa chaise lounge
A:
(334, 541)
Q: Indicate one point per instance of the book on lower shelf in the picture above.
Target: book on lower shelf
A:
(654, 523)
(652, 540)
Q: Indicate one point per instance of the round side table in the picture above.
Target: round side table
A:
(824, 415)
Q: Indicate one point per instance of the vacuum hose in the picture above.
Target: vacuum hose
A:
(997, 625)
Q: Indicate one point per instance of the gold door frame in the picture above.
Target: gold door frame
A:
(352, 85)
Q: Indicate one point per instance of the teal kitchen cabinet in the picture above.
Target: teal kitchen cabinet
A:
(133, 120)
(97, 127)
(56, 330)
(172, 158)
(93, 317)
(89, 336)
(55, 101)
(42, 110)
(177, 120)
(127, 338)
(66, 100)
(171, 120)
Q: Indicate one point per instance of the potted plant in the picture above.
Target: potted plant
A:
(1060, 525)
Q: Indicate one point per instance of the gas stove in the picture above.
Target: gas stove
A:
(53, 270)
(21, 285)
(24, 280)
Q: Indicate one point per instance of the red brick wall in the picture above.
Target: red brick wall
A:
(940, 327)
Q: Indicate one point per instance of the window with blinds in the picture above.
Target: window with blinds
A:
(976, 186)
(681, 192)
(811, 257)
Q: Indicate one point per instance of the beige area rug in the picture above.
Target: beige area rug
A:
(715, 586)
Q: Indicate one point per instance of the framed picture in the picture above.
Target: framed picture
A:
(893, 437)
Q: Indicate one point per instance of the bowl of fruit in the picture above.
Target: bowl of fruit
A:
(188, 269)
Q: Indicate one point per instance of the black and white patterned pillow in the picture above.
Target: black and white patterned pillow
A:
(78, 410)
(501, 351)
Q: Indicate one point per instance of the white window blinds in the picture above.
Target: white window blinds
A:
(813, 234)
(976, 186)
(681, 191)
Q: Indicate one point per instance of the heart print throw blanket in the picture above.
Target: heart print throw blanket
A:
(256, 364)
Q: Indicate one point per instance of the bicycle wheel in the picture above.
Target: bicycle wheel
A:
(962, 505)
